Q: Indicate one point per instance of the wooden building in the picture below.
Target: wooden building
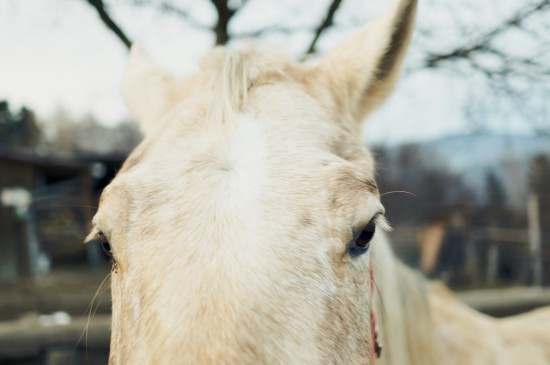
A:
(62, 196)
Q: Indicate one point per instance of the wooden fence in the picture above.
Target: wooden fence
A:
(484, 257)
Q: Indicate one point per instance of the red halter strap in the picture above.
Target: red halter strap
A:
(376, 346)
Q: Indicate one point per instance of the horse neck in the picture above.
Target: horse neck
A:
(403, 310)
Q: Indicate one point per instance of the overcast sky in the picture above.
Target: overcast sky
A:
(57, 54)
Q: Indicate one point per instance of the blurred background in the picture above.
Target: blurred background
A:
(463, 146)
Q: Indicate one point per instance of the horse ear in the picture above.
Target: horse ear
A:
(147, 89)
(362, 71)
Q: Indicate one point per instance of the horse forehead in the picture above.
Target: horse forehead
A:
(253, 145)
(261, 146)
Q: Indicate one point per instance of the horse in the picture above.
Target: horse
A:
(247, 227)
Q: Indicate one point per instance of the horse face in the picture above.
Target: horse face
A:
(240, 227)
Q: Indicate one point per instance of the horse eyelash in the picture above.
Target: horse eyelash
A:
(383, 223)
(94, 234)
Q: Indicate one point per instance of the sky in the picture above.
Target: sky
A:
(56, 54)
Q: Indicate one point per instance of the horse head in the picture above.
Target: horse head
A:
(241, 226)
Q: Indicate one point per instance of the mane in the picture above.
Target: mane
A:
(403, 310)
(230, 75)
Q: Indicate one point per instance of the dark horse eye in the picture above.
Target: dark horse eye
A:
(362, 243)
(105, 245)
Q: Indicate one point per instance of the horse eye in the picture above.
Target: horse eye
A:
(362, 243)
(367, 234)
(105, 245)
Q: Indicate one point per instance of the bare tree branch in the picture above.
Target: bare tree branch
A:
(483, 55)
(270, 29)
(483, 44)
(169, 8)
(475, 53)
(109, 22)
(225, 13)
(325, 24)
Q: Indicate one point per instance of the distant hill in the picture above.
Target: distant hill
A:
(473, 156)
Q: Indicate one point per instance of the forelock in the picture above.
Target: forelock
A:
(230, 75)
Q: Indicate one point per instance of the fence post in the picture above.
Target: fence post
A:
(472, 263)
(492, 257)
(534, 238)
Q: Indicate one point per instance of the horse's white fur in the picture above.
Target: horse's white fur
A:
(247, 156)
(230, 222)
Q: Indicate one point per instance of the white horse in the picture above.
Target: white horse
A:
(246, 224)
